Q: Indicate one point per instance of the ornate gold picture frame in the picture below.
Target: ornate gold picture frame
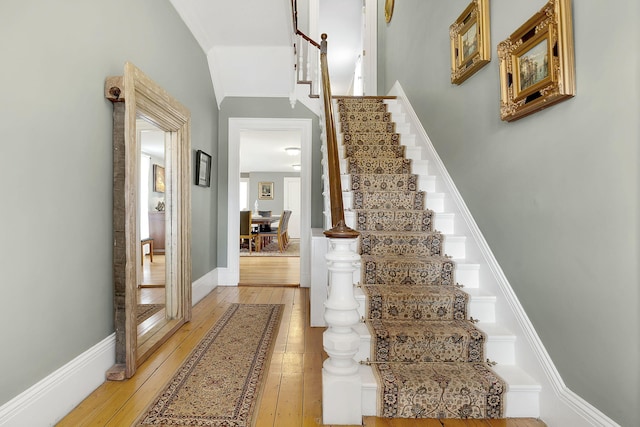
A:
(537, 62)
(470, 41)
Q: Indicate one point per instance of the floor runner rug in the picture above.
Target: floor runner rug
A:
(145, 311)
(220, 382)
(293, 249)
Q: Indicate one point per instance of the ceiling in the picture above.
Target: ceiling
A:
(249, 43)
(249, 48)
(264, 151)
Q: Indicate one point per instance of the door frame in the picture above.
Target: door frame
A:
(286, 191)
(236, 126)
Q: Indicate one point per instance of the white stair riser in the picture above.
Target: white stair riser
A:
(482, 308)
(420, 167)
(468, 275)
(501, 349)
(414, 153)
(522, 403)
(435, 201)
(454, 246)
(444, 222)
(427, 183)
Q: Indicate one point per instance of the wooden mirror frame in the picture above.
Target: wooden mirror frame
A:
(133, 95)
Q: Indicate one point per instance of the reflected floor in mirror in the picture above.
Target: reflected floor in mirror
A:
(151, 294)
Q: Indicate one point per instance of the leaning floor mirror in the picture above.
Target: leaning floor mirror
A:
(151, 217)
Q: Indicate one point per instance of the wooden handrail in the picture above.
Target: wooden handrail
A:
(307, 38)
(339, 228)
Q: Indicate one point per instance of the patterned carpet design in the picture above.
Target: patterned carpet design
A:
(145, 311)
(220, 382)
(427, 355)
(272, 249)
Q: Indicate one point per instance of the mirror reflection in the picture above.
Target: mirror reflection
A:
(151, 313)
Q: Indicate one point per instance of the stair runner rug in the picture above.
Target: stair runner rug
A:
(427, 355)
(220, 382)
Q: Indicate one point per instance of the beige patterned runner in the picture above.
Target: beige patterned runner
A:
(426, 353)
(220, 382)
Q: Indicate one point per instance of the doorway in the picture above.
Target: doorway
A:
(231, 275)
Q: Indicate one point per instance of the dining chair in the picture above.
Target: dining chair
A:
(246, 231)
(280, 233)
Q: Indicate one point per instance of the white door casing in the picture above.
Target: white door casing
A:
(292, 203)
(231, 275)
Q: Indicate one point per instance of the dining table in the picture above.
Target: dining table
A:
(261, 220)
(258, 220)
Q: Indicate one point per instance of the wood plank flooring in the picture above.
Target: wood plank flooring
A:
(293, 388)
(269, 271)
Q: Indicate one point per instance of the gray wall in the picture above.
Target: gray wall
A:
(262, 108)
(556, 193)
(56, 167)
(276, 205)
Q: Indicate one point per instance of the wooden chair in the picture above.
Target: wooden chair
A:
(246, 231)
(280, 234)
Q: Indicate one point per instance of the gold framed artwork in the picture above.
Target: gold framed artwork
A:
(158, 179)
(537, 67)
(265, 190)
(470, 41)
(388, 10)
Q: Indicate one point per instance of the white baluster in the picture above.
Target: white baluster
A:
(341, 382)
(301, 45)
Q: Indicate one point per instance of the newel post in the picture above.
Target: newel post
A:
(341, 381)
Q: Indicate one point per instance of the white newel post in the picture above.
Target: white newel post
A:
(341, 382)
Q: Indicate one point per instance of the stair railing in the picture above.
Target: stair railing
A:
(305, 50)
(341, 379)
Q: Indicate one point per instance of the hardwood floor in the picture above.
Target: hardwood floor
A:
(269, 271)
(293, 389)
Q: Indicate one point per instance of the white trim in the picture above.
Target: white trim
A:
(370, 48)
(203, 286)
(559, 406)
(53, 397)
(231, 275)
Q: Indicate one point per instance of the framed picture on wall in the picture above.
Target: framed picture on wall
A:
(470, 44)
(265, 190)
(203, 169)
(537, 62)
(158, 179)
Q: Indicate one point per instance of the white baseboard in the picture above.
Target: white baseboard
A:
(203, 286)
(48, 401)
(228, 276)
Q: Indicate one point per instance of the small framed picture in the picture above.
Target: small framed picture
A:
(265, 190)
(537, 67)
(470, 44)
(158, 179)
(203, 169)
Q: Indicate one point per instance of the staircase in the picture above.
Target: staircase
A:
(409, 246)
